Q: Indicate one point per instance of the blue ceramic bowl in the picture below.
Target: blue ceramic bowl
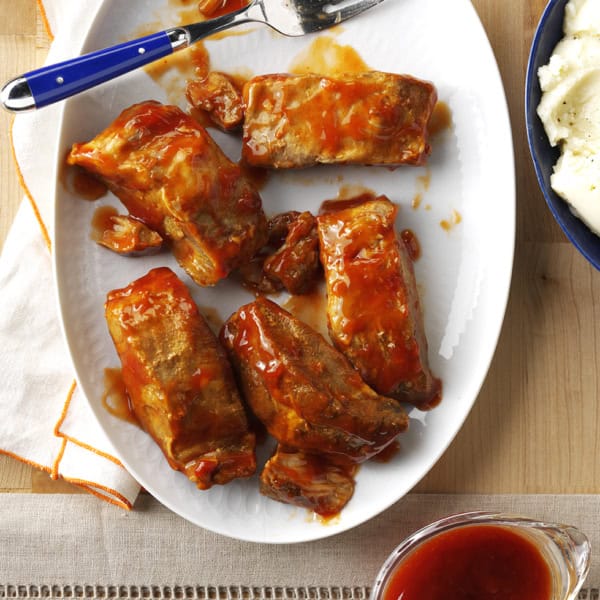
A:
(549, 32)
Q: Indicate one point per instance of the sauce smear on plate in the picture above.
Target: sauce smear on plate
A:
(486, 562)
(115, 398)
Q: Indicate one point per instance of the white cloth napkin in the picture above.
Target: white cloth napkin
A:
(44, 418)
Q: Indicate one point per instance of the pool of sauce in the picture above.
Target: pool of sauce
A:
(115, 398)
(173, 71)
(86, 186)
(310, 309)
(101, 221)
(353, 190)
(327, 57)
(440, 120)
(388, 453)
(482, 562)
(191, 62)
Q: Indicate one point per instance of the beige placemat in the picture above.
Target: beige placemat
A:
(75, 546)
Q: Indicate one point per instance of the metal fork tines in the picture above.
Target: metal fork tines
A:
(331, 12)
(309, 16)
(288, 17)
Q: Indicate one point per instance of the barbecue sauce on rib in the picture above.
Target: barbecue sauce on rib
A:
(486, 562)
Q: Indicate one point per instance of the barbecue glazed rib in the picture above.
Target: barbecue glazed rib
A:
(171, 175)
(304, 391)
(371, 118)
(290, 260)
(307, 480)
(179, 381)
(373, 308)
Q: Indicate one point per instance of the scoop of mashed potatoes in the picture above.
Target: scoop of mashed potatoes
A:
(570, 110)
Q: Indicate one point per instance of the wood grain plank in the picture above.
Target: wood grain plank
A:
(15, 476)
(18, 17)
(22, 57)
(42, 483)
(22, 48)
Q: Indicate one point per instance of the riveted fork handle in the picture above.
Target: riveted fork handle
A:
(61, 80)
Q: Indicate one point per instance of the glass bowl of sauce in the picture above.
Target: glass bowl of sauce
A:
(486, 556)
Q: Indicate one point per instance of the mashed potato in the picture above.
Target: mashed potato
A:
(570, 110)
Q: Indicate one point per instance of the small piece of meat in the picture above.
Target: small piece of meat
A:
(307, 480)
(252, 273)
(254, 278)
(179, 380)
(296, 263)
(217, 95)
(125, 235)
(371, 118)
(373, 307)
(290, 260)
(171, 175)
(306, 392)
(278, 227)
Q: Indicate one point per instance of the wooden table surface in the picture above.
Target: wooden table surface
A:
(535, 427)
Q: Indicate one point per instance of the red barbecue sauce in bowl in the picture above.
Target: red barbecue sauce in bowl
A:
(474, 562)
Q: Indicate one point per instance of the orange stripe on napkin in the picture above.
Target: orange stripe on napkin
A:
(54, 473)
(108, 494)
(102, 492)
(64, 436)
(36, 210)
(45, 21)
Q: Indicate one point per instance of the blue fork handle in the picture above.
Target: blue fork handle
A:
(59, 81)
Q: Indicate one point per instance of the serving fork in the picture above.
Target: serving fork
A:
(61, 80)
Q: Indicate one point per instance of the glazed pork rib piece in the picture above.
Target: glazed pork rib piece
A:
(290, 260)
(307, 480)
(171, 175)
(305, 392)
(373, 307)
(179, 380)
(370, 118)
